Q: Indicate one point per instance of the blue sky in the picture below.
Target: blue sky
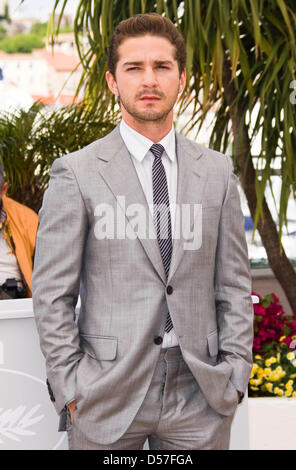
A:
(40, 9)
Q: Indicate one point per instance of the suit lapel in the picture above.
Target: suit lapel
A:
(192, 177)
(120, 175)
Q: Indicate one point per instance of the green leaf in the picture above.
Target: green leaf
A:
(286, 330)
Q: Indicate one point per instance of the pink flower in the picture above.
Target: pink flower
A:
(272, 333)
(287, 340)
(275, 309)
(292, 325)
(278, 325)
(259, 310)
(257, 344)
(271, 324)
(265, 322)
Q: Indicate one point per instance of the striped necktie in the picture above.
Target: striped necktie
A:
(161, 214)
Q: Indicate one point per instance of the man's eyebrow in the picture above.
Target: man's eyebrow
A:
(164, 62)
(139, 62)
(126, 64)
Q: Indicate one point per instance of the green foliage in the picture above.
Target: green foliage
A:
(67, 29)
(3, 32)
(39, 29)
(21, 43)
(30, 141)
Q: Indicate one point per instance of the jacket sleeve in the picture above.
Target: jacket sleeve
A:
(233, 288)
(58, 259)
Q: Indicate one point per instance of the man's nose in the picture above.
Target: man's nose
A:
(149, 77)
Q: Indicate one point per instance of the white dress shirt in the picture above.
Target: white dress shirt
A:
(8, 262)
(139, 149)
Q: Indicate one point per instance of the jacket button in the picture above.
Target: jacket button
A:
(158, 340)
(169, 290)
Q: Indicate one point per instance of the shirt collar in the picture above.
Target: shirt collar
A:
(139, 145)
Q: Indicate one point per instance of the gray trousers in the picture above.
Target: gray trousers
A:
(174, 415)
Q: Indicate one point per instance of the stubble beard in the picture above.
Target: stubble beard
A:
(148, 115)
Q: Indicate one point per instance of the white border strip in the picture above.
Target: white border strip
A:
(16, 308)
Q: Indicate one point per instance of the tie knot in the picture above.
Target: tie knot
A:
(157, 150)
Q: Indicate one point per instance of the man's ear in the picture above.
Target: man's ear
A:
(4, 189)
(182, 82)
(112, 83)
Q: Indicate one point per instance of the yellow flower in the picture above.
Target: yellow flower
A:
(289, 384)
(276, 375)
(267, 371)
(294, 394)
(294, 363)
(254, 370)
(288, 392)
(290, 356)
(278, 391)
(270, 361)
(282, 337)
(269, 386)
(257, 356)
(256, 381)
(293, 376)
(254, 388)
(260, 373)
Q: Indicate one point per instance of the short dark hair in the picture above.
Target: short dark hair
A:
(141, 25)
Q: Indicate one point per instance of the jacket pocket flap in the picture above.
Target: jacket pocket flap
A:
(212, 339)
(102, 348)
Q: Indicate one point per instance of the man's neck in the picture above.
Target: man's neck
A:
(154, 131)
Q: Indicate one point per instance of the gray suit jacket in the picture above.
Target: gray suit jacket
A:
(106, 359)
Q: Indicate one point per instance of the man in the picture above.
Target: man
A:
(162, 346)
(18, 228)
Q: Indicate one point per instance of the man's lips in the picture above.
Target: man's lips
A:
(149, 98)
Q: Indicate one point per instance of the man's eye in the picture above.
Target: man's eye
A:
(133, 68)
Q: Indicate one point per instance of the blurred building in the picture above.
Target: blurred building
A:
(65, 42)
(46, 76)
(13, 97)
(19, 26)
